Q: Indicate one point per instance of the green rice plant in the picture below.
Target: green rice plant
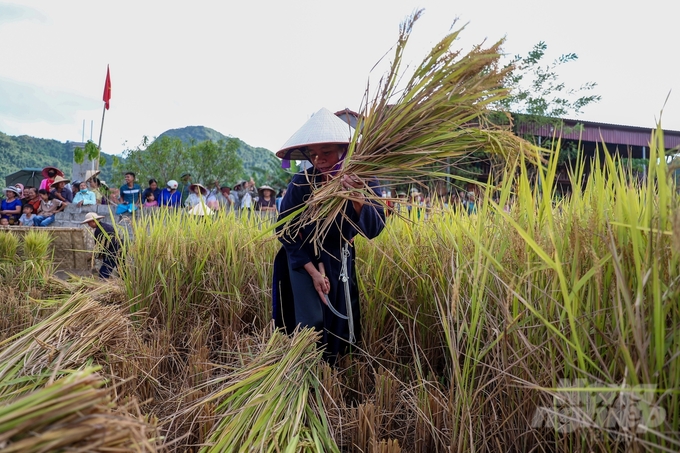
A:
(74, 413)
(37, 264)
(274, 402)
(9, 246)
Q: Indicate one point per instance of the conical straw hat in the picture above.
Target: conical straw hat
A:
(322, 128)
(201, 210)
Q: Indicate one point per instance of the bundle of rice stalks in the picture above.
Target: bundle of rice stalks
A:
(74, 413)
(80, 331)
(416, 131)
(274, 403)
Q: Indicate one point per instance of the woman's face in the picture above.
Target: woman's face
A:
(59, 186)
(153, 186)
(10, 195)
(324, 157)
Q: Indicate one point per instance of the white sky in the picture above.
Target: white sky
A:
(258, 69)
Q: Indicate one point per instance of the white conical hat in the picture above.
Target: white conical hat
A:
(324, 127)
(201, 210)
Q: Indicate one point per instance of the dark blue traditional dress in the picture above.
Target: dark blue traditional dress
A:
(295, 301)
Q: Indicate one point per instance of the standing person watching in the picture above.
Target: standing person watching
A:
(185, 190)
(266, 201)
(130, 196)
(315, 284)
(107, 240)
(170, 196)
(153, 188)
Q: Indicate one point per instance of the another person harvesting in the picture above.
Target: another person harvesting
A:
(315, 285)
(107, 241)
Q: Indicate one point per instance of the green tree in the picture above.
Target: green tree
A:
(168, 158)
(536, 92)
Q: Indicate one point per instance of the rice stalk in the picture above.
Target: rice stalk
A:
(74, 413)
(413, 132)
(274, 403)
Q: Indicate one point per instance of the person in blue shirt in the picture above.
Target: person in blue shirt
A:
(170, 196)
(11, 206)
(84, 197)
(130, 196)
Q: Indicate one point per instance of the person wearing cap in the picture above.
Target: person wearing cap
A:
(84, 197)
(49, 173)
(197, 194)
(107, 240)
(60, 190)
(170, 196)
(315, 285)
(11, 206)
(265, 201)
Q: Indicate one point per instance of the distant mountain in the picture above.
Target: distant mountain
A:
(18, 152)
(256, 161)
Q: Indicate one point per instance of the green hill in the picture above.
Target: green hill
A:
(260, 163)
(17, 152)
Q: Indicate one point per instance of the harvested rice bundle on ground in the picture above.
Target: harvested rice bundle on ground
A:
(74, 413)
(274, 403)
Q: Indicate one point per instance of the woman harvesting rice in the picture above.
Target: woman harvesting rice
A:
(315, 284)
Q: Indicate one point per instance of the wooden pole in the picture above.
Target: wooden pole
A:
(99, 145)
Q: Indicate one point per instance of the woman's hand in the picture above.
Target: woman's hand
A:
(352, 181)
(321, 283)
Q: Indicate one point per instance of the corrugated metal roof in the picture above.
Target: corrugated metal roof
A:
(588, 131)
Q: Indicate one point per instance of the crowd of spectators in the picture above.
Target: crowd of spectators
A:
(31, 206)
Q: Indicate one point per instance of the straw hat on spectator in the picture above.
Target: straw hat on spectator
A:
(240, 182)
(56, 170)
(261, 190)
(322, 128)
(90, 216)
(192, 188)
(59, 179)
(89, 174)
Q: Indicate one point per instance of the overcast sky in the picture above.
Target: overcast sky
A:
(258, 69)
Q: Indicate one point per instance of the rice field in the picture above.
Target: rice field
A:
(553, 326)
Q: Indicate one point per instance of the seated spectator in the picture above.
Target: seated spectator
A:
(49, 173)
(84, 197)
(4, 221)
(27, 218)
(11, 206)
(27, 194)
(60, 191)
(150, 201)
(75, 186)
(21, 191)
(32, 198)
(153, 188)
(266, 201)
(170, 196)
(49, 206)
(197, 194)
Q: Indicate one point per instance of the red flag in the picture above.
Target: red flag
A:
(107, 88)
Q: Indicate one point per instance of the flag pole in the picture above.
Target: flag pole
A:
(106, 98)
(99, 145)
